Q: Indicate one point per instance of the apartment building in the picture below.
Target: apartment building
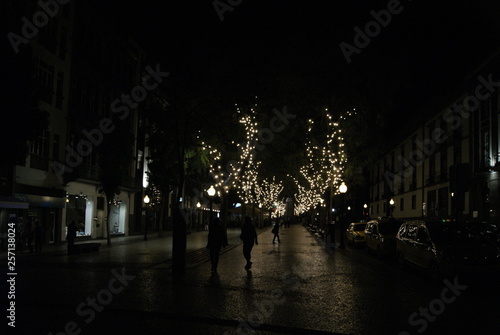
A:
(447, 164)
(80, 65)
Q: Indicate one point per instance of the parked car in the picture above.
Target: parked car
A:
(355, 233)
(447, 248)
(380, 236)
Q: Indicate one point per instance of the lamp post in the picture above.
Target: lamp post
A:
(391, 209)
(146, 220)
(211, 194)
(198, 205)
(365, 211)
(343, 190)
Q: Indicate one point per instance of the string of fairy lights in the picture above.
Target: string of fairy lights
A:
(324, 168)
(241, 173)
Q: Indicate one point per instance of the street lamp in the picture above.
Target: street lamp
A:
(211, 194)
(198, 205)
(343, 190)
(391, 203)
(146, 220)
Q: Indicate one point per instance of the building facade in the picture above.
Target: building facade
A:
(81, 65)
(447, 165)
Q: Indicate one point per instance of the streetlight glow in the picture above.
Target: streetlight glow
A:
(211, 191)
(343, 188)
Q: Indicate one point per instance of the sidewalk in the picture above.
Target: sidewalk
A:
(158, 249)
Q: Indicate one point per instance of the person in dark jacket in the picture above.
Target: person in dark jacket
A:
(217, 239)
(276, 232)
(249, 237)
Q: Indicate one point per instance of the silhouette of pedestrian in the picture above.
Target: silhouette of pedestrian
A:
(38, 237)
(276, 232)
(217, 239)
(71, 236)
(249, 237)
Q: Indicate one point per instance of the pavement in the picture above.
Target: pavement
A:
(294, 287)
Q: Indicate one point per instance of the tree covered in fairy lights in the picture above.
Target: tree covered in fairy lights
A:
(325, 165)
(242, 172)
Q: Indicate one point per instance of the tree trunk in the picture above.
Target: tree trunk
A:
(162, 215)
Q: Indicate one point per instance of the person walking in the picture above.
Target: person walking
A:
(217, 239)
(249, 237)
(276, 232)
(71, 236)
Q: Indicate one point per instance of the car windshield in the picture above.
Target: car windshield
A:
(389, 227)
(359, 227)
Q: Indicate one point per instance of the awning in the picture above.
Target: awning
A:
(11, 202)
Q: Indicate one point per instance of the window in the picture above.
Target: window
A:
(55, 147)
(402, 204)
(444, 165)
(411, 232)
(39, 150)
(422, 235)
(48, 35)
(40, 146)
(45, 77)
(59, 90)
(63, 43)
(413, 202)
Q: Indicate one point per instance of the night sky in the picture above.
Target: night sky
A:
(268, 47)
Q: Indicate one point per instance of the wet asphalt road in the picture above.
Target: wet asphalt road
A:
(295, 287)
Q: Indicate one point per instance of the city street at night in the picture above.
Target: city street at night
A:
(213, 167)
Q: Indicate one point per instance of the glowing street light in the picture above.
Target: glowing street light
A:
(146, 201)
(343, 190)
(211, 193)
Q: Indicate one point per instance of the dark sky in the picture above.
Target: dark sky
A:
(274, 46)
